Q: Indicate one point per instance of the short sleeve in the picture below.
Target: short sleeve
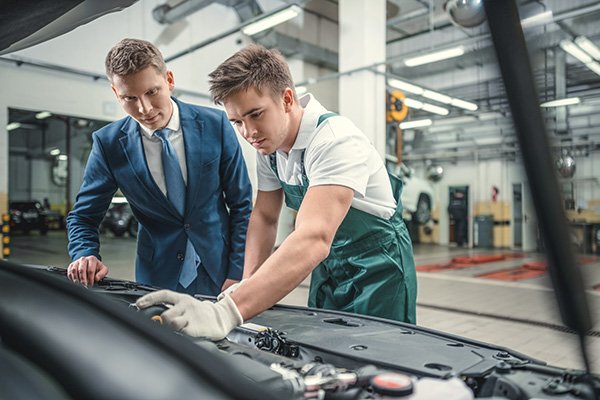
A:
(266, 179)
(339, 156)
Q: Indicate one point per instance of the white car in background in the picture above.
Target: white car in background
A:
(417, 196)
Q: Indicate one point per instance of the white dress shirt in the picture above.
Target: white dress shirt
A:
(153, 149)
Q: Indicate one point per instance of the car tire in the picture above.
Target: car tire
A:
(423, 213)
(118, 232)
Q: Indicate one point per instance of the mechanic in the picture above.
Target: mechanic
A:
(349, 230)
(181, 168)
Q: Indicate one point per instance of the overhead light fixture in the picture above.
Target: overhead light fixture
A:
(54, 152)
(455, 121)
(465, 119)
(419, 105)
(442, 98)
(415, 124)
(435, 56)
(487, 116)
(13, 125)
(584, 50)
(594, 66)
(561, 102)
(270, 20)
(119, 200)
(412, 103)
(435, 109)
(43, 115)
(407, 87)
(588, 46)
(487, 141)
(575, 51)
(464, 104)
(430, 94)
(537, 19)
(63, 157)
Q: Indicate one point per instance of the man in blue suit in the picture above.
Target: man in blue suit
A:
(181, 169)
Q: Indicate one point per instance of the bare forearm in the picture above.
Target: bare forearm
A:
(260, 240)
(293, 261)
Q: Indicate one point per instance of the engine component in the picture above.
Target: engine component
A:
(274, 341)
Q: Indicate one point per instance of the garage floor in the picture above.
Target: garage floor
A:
(474, 296)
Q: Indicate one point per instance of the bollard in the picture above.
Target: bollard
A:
(5, 236)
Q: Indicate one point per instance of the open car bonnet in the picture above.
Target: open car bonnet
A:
(93, 344)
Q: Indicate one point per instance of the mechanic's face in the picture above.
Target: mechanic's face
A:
(145, 95)
(262, 119)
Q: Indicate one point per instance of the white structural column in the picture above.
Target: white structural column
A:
(362, 44)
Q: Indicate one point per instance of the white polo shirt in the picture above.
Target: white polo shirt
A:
(335, 153)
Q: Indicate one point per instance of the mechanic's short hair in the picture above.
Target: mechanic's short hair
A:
(254, 66)
(132, 55)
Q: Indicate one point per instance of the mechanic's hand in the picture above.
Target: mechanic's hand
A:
(195, 317)
(87, 270)
(229, 287)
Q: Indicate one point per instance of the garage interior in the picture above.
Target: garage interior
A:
(445, 124)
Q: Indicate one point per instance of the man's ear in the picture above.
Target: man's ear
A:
(170, 79)
(288, 99)
(115, 92)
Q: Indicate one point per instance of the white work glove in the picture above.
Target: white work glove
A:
(195, 317)
(229, 290)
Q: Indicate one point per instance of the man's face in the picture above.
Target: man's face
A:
(145, 95)
(262, 120)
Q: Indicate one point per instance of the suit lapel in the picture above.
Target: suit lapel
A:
(134, 150)
(193, 137)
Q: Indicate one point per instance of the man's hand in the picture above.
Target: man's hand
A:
(195, 317)
(87, 270)
(229, 288)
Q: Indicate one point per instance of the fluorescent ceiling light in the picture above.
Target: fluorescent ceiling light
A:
(442, 98)
(489, 116)
(561, 102)
(435, 109)
(119, 200)
(63, 157)
(415, 124)
(594, 66)
(412, 103)
(54, 152)
(464, 104)
(483, 141)
(435, 56)
(443, 128)
(454, 121)
(13, 125)
(588, 46)
(43, 115)
(419, 105)
(575, 51)
(407, 87)
(270, 21)
(537, 19)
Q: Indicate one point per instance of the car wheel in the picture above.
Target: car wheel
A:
(423, 213)
(118, 232)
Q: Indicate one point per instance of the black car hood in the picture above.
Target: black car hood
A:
(61, 327)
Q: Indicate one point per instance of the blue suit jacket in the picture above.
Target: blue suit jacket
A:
(218, 199)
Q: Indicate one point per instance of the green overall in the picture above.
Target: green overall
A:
(370, 269)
